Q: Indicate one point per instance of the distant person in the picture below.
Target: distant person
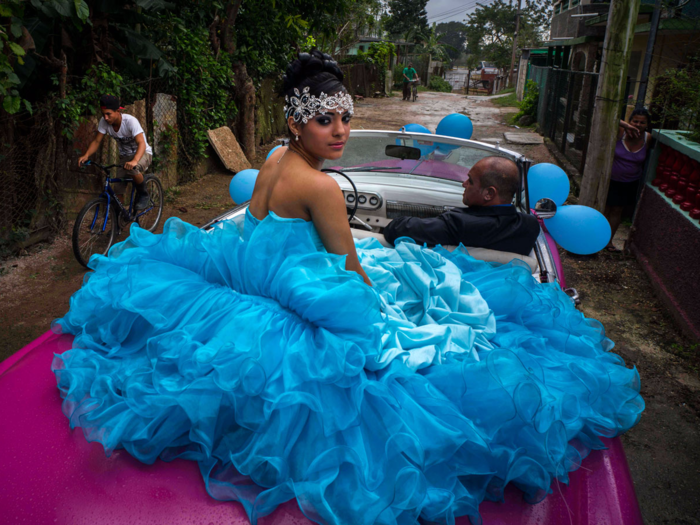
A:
(490, 221)
(409, 74)
(630, 154)
(135, 155)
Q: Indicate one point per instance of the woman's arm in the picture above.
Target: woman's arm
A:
(327, 209)
(626, 127)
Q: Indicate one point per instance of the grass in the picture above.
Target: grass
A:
(507, 90)
(510, 100)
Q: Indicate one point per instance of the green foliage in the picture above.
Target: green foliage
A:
(677, 100)
(490, 29)
(11, 53)
(406, 15)
(510, 100)
(82, 100)
(398, 75)
(454, 34)
(439, 84)
(431, 45)
(308, 45)
(528, 105)
(203, 84)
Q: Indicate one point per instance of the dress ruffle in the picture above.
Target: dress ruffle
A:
(285, 376)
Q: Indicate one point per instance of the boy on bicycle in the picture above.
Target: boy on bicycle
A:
(409, 74)
(134, 152)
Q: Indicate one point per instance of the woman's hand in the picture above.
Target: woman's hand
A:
(631, 131)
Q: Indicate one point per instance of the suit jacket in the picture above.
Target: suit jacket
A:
(495, 227)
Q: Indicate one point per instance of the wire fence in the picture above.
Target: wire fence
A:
(565, 109)
(41, 184)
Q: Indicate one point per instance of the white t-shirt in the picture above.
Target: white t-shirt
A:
(126, 136)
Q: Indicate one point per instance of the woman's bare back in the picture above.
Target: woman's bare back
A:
(283, 187)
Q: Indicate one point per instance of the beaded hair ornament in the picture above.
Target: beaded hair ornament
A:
(303, 107)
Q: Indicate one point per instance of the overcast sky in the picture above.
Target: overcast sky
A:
(450, 10)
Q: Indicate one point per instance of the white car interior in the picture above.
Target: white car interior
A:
(398, 174)
(386, 194)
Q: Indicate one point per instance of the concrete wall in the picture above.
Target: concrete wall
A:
(564, 26)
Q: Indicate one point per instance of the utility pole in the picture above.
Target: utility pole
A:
(622, 19)
(654, 26)
(515, 44)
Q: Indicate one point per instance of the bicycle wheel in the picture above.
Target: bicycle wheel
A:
(94, 230)
(415, 94)
(150, 219)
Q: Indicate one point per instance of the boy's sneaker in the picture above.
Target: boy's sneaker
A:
(143, 201)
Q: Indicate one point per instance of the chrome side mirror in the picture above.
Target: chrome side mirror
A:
(545, 208)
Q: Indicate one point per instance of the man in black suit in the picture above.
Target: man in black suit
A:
(490, 221)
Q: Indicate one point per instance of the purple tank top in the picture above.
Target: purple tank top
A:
(627, 166)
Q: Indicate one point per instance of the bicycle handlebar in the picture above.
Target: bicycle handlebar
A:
(104, 168)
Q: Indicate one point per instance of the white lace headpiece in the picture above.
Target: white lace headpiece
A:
(303, 107)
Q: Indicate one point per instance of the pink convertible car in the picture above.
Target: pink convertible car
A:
(52, 475)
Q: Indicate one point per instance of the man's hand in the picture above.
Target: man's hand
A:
(130, 165)
(82, 160)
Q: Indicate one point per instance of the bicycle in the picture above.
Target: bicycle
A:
(414, 89)
(100, 222)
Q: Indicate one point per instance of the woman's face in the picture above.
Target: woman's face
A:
(324, 136)
(639, 122)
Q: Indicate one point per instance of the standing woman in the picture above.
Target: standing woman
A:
(630, 153)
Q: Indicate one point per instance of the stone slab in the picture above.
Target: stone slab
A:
(227, 148)
(523, 138)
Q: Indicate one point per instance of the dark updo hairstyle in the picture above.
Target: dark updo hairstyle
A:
(316, 70)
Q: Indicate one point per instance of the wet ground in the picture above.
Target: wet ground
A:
(663, 450)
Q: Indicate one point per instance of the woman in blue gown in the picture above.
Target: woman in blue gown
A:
(373, 385)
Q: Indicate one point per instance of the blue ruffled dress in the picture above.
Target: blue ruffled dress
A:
(256, 354)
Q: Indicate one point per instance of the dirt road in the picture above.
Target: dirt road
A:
(663, 450)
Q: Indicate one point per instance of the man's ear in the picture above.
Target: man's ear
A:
(489, 194)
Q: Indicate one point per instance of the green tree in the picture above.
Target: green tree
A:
(490, 29)
(406, 15)
(454, 34)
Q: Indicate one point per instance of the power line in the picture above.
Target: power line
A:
(453, 13)
(455, 10)
(451, 9)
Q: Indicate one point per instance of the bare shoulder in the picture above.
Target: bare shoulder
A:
(321, 184)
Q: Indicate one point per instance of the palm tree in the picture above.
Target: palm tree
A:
(430, 44)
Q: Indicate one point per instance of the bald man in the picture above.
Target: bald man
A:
(490, 221)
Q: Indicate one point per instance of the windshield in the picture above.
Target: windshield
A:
(426, 158)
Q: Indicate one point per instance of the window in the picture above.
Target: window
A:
(574, 3)
(557, 9)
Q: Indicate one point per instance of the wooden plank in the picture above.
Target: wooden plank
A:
(227, 148)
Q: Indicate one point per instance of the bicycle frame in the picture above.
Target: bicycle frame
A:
(109, 194)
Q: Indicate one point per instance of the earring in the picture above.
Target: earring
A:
(296, 137)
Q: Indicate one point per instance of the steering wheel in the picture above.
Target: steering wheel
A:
(354, 188)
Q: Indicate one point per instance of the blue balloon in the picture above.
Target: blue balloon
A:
(425, 149)
(547, 181)
(242, 184)
(454, 125)
(579, 229)
(272, 151)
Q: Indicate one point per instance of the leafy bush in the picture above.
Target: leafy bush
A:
(677, 100)
(398, 75)
(439, 84)
(528, 105)
(83, 99)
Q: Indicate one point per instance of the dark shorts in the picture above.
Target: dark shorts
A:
(622, 193)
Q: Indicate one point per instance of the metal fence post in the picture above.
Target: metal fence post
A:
(569, 110)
